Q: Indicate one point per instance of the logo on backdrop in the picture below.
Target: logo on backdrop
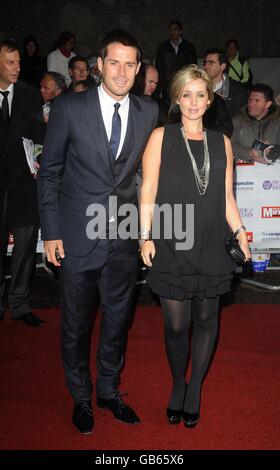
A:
(246, 212)
(271, 184)
(244, 185)
(250, 236)
(270, 236)
(270, 212)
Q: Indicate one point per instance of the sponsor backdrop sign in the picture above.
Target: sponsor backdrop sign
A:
(257, 192)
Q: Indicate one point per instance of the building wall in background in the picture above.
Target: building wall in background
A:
(255, 23)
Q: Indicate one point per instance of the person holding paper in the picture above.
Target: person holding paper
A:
(20, 116)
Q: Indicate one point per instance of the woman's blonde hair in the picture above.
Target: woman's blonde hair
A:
(185, 75)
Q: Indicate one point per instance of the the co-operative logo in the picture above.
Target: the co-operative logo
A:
(267, 184)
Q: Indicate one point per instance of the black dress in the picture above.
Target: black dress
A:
(205, 270)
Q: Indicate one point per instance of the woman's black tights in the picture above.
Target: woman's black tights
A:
(177, 321)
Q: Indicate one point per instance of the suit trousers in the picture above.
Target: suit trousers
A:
(112, 269)
(22, 264)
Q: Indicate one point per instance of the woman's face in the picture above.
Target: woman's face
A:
(194, 99)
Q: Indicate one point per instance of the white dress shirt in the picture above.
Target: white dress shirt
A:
(10, 96)
(107, 110)
(176, 45)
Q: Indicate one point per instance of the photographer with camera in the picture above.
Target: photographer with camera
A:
(256, 135)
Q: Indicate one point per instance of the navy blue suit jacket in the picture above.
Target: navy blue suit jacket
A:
(76, 169)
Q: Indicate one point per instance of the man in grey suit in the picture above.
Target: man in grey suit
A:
(91, 154)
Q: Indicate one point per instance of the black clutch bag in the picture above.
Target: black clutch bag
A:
(234, 251)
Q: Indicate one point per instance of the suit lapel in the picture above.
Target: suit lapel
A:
(129, 135)
(96, 126)
(16, 103)
(130, 145)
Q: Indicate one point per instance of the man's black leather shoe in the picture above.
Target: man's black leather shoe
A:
(190, 419)
(31, 320)
(120, 409)
(83, 417)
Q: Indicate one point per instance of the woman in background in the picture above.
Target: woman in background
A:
(32, 65)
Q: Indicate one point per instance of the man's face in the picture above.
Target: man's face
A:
(79, 71)
(151, 81)
(118, 69)
(9, 67)
(258, 107)
(232, 50)
(49, 88)
(69, 45)
(174, 32)
(31, 48)
(213, 67)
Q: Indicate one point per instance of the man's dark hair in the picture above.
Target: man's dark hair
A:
(234, 42)
(177, 22)
(58, 78)
(123, 37)
(222, 56)
(64, 37)
(9, 44)
(266, 90)
(88, 83)
(77, 58)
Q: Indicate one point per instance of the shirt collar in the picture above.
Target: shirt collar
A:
(177, 44)
(108, 101)
(220, 84)
(10, 88)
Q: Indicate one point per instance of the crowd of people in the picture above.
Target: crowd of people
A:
(96, 118)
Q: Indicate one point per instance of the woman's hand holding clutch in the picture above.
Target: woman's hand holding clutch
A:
(148, 251)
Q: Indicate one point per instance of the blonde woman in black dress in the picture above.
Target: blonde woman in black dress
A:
(184, 164)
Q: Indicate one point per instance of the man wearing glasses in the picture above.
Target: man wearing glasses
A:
(234, 95)
(78, 69)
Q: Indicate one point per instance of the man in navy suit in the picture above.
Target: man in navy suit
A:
(92, 150)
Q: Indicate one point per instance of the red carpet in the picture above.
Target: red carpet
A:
(240, 400)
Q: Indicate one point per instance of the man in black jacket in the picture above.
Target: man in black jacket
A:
(234, 95)
(172, 55)
(20, 116)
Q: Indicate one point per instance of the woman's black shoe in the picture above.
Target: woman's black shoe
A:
(190, 419)
(174, 416)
